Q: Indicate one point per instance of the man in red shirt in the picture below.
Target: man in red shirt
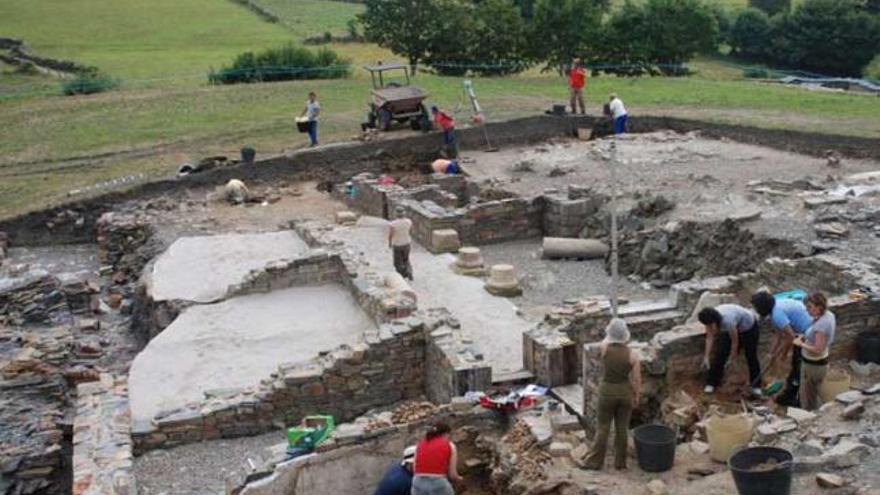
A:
(447, 124)
(576, 79)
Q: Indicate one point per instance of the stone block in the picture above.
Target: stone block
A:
(800, 415)
(346, 217)
(560, 449)
(564, 422)
(445, 241)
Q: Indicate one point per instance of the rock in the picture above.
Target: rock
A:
(849, 397)
(828, 480)
(766, 433)
(236, 192)
(800, 415)
(853, 411)
(814, 202)
(699, 447)
(873, 389)
(564, 422)
(657, 487)
(89, 324)
(831, 230)
(560, 449)
(578, 454)
(346, 217)
(846, 447)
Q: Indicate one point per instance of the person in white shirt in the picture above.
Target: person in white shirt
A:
(311, 111)
(618, 114)
(399, 241)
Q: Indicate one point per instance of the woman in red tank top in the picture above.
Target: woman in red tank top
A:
(435, 464)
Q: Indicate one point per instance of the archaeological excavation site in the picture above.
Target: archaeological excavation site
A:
(241, 328)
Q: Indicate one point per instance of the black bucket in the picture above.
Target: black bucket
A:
(868, 347)
(248, 154)
(655, 447)
(752, 478)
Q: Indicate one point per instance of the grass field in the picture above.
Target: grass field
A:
(166, 113)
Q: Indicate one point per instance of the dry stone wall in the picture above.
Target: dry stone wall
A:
(389, 366)
(37, 296)
(102, 446)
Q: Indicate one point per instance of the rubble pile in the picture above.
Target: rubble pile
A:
(412, 411)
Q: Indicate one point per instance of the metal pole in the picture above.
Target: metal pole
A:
(614, 272)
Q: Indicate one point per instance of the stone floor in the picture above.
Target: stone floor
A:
(494, 323)
(236, 343)
(200, 269)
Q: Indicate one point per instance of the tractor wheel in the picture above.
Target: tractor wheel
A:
(414, 123)
(384, 119)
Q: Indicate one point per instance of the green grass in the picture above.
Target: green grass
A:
(135, 39)
(313, 17)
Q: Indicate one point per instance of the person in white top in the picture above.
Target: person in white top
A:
(618, 114)
(399, 241)
(311, 111)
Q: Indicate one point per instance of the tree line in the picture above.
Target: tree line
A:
(494, 37)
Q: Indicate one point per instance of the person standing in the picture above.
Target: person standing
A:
(729, 327)
(447, 125)
(815, 345)
(618, 395)
(311, 112)
(400, 241)
(576, 80)
(398, 477)
(436, 463)
(789, 318)
(618, 113)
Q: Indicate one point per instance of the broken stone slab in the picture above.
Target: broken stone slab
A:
(657, 487)
(814, 202)
(872, 390)
(831, 229)
(766, 433)
(346, 217)
(828, 480)
(800, 415)
(849, 397)
(853, 411)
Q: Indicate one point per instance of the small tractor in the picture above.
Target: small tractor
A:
(395, 100)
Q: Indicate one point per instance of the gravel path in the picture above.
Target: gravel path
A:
(199, 468)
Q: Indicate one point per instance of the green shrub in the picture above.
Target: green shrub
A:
(872, 70)
(282, 64)
(89, 82)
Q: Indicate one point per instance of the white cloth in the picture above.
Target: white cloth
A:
(617, 108)
(400, 232)
(312, 109)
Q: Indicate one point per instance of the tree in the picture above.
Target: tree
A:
(401, 26)
(657, 36)
(836, 37)
(751, 35)
(500, 38)
(771, 7)
(564, 29)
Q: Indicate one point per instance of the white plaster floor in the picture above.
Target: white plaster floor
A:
(492, 322)
(201, 269)
(238, 342)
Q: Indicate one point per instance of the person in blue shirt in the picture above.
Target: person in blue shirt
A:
(790, 319)
(398, 477)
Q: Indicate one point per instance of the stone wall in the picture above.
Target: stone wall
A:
(354, 460)
(389, 366)
(122, 240)
(681, 250)
(102, 446)
(451, 368)
(342, 161)
(39, 297)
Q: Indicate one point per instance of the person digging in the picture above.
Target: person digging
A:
(729, 329)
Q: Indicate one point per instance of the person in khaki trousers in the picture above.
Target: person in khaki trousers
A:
(618, 395)
(815, 345)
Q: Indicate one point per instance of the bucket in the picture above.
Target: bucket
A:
(655, 447)
(727, 434)
(868, 347)
(836, 382)
(302, 124)
(761, 471)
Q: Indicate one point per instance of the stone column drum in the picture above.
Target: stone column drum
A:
(469, 262)
(502, 281)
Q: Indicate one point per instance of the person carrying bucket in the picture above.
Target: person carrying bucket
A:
(618, 395)
(789, 319)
